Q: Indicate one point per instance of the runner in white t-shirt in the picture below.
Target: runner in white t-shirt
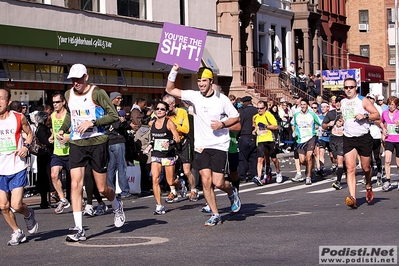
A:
(213, 114)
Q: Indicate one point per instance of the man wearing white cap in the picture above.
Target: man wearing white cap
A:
(381, 103)
(90, 111)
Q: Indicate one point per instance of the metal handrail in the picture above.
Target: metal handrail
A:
(264, 83)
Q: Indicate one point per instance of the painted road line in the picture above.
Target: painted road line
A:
(295, 188)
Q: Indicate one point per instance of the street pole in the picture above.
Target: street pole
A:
(396, 50)
(321, 64)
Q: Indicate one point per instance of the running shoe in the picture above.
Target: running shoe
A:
(206, 209)
(320, 173)
(337, 185)
(172, 198)
(257, 181)
(31, 222)
(351, 202)
(54, 196)
(193, 195)
(379, 179)
(308, 181)
(298, 178)
(101, 209)
(235, 200)
(364, 180)
(214, 220)
(89, 210)
(16, 238)
(369, 195)
(119, 215)
(386, 186)
(279, 177)
(126, 195)
(266, 180)
(159, 209)
(61, 205)
(183, 189)
(78, 236)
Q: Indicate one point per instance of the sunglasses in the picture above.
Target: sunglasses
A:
(57, 101)
(260, 108)
(315, 107)
(160, 109)
(370, 98)
(349, 87)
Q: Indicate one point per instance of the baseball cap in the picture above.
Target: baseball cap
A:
(296, 96)
(122, 113)
(77, 71)
(282, 100)
(370, 95)
(292, 63)
(24, 104)
(246, 99)
(339, 98)
(381, 97)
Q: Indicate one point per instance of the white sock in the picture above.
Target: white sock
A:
(77, 217)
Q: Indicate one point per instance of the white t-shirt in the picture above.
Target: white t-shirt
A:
(352, 127)
(217, 107)
(375, 130)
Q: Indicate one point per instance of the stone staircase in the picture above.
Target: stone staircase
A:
(264, 85)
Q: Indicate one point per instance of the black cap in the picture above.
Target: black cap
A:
(339, 99)
(296, 96)
(246, 99)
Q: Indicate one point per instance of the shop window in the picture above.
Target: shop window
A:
(52, 73)
(132, 8)
(3, 72)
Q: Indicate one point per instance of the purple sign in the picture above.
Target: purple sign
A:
(182, 45)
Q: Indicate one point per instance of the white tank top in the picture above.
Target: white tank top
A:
(352, 127)
(10, 141)
(82, 107)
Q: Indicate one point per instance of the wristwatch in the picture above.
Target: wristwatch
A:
(366, 115)
(94, 122)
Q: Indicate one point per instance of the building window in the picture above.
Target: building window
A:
(365, 50)
(391, 55)
(390, 17)
(91, 5)
(132, 8)
(363, 17)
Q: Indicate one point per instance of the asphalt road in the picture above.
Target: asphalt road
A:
(279, 224)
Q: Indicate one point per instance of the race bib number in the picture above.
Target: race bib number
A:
(349, 114)
(305, 132)
(392, 129)
(7, 143)
(158, 144)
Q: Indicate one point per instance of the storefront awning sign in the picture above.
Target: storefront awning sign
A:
(182, 45)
